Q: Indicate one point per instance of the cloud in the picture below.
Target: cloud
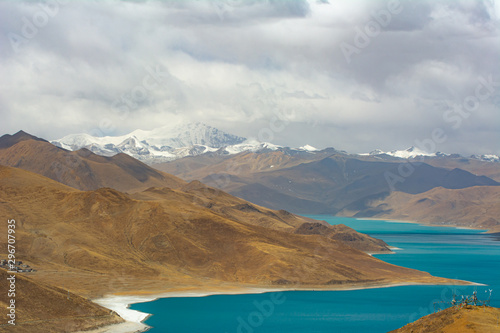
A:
(111, 67)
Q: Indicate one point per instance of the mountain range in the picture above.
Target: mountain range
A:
(162, 144)
(326, 182)
(371, 185)
(172, 142)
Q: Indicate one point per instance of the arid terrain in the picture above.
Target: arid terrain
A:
(85, 235)
(473, 207)
(45, 308)
(471, 319)
(81, 169)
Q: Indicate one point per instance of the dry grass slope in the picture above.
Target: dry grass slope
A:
(81, 169)
(457, 320)
(474, 207)
(44, 308)
(346, 235)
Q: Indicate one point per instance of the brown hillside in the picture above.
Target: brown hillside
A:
(43, 308)
(346, 235)
(474, 207)
(245, 163)
(240, 210)
(106, 241)
(471, 319)
(477, 167)
(81, 169)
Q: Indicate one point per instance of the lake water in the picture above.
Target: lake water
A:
(446, 252)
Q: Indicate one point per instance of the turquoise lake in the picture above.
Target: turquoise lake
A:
(447, 252)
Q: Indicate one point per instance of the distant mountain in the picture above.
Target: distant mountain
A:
(80, 169)
(414, 152)
(472, 207)
(169, 143)
(162, 144)
(172, 142)
(326, 182)
(407, 153)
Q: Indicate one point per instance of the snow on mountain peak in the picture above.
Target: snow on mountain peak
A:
(410, 152)
(158, 145)
(407, 153)
(174, 141)
(250, 145)
(308, 148)
(487, 158)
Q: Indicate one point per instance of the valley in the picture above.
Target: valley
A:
(85, 235)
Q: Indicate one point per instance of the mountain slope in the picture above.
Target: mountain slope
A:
(471, 319)
(475, 207)
(475, 166)
(346, 235)
(81, 169)
(87, 241)
(8, 140)
(44, 308)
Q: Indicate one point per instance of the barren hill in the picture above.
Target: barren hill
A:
(43, 308)
(474, 166)
(474, 207)
(87, 241)
(471, 319)
(81, 169)
(346, 235)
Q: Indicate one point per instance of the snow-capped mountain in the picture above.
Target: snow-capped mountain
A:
(411, 152)
(169, 143)
(158, 145)
(486, 158)
(166, 143)
(308, 148)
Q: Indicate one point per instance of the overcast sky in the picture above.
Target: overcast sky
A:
(354, 75)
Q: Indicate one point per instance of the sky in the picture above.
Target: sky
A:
(356, 75)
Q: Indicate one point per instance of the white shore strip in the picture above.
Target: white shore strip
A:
(134, 319)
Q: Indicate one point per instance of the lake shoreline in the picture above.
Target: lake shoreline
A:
(427, 224)
(135, 320)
